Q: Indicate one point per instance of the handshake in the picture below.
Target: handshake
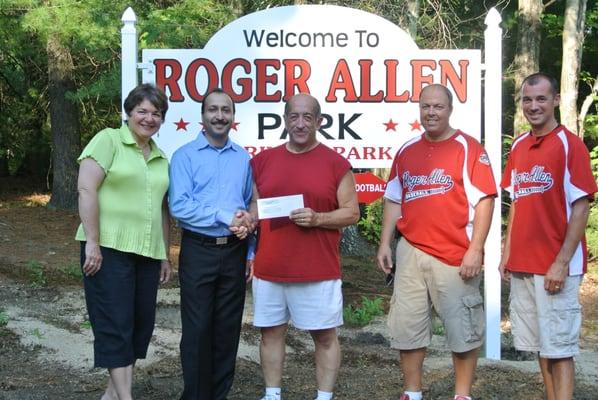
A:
(243, 224)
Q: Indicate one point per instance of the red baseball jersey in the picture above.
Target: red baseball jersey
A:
(438, 185)
(545, 175)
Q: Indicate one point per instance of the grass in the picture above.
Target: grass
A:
(437, 326)
(37, 275)
(72, 270)
(3, 318)
(85, 324)
(37, 333)
(363, 314)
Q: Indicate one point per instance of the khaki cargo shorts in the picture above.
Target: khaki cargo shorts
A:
(422, 281)
(547, 323)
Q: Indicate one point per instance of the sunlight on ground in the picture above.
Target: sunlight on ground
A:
(30, 200)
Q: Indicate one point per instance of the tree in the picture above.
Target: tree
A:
(573, 38)
(65, 125)
(527, 56)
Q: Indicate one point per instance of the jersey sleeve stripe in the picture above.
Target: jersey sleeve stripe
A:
(394, 190)
(472, 193)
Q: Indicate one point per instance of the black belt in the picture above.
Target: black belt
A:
(220, 240)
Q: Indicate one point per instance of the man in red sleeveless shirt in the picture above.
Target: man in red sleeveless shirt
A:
(440, 196)
(297, 264)
(550, 180)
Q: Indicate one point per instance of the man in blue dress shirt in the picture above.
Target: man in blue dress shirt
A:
(210, 191)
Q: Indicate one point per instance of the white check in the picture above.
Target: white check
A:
(274, 207)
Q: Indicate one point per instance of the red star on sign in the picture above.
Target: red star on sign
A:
(390, 125)
(415, 125)
(181, 125)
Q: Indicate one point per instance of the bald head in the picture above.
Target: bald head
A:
(441, 88)
(303, 97)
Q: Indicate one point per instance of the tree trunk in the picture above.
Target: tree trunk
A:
(527, 56)
(573, 37)
(65, 125)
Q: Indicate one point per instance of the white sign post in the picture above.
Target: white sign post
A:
(366, 72)
(128, 56)
(493, 144)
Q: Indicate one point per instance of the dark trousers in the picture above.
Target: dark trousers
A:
(121, 303)
(212, 279)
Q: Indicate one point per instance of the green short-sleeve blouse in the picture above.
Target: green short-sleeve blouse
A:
(130, 197)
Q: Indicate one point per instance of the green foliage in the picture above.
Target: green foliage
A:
(592, 228)
(37, 276)
(85, 324)
(591, 124)
(371, 223)
(72, 270)
(363, 314)
(38, 333)
(437, 326)
(3, 318)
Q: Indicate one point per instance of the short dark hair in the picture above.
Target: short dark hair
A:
(317, 109)
(216, 90)
(448, 93)
(535, 78)
(149, 92)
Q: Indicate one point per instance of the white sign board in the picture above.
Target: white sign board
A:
(366, 72)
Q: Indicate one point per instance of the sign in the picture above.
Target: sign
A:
(369, 187)
(366, 72)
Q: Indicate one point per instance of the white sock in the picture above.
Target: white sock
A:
(414, 395)
(273, 391)
(463, 397)
(324, 395)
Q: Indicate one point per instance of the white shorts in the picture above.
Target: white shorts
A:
(309, 305)
(542, 322)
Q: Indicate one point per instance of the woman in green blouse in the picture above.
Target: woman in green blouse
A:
(123, 181)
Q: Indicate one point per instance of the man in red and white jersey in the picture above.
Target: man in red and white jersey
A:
(440, 197)
(550, 180)
(297, 272)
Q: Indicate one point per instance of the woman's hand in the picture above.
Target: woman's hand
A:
(165, 271)
(93, 259)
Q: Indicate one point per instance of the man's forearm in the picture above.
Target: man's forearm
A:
(580, 212)
(390, 215)
(338, 218)
(481, 223)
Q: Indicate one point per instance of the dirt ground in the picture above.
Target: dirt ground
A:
(46, 343)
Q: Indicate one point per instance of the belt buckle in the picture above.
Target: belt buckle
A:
(222, 240)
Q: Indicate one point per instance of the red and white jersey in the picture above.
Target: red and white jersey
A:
(438, 185)
(544, 176)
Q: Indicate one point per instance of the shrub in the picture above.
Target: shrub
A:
(363, 314)
(370, 224)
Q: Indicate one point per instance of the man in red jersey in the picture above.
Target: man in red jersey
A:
(297, 264)
(550, 180)
(440, 196)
